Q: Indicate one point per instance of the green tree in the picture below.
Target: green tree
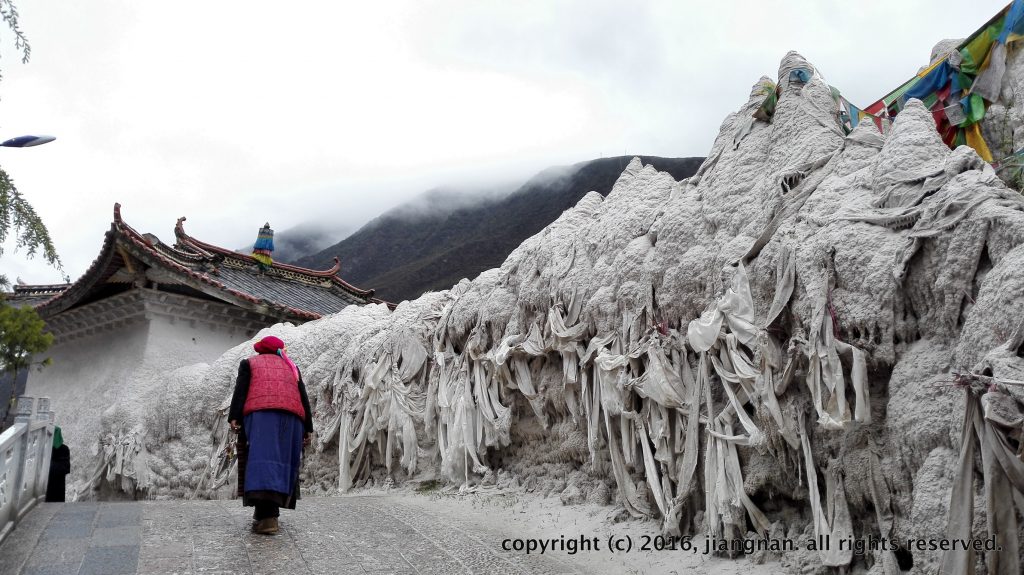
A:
(9, 12)
(21, 338)
(17, 216)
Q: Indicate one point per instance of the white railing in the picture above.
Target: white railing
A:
(25, 451)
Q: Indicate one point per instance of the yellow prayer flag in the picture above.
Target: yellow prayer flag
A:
(976, 141)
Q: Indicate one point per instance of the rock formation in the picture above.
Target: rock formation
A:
(785, 344)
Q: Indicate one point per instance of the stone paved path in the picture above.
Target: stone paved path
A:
(344, 535)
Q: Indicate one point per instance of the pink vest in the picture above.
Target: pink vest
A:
(272, 385)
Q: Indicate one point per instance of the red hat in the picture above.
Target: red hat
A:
(269, 344)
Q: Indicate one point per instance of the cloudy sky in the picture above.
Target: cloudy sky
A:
(234, 113)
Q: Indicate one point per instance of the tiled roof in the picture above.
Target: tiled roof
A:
(33, 295)
(319, 300)
(279, 290)
(204, 248)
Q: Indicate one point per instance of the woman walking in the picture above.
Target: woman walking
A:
(60, 466)
(270, 411)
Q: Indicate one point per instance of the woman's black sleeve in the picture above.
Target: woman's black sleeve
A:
(308, 423)
(241, 392)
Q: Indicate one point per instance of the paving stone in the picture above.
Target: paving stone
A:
(58, 552)
(78, 506)
(281, 569)
(73, 520)
(76, 510)
(221, 564)
(381, 561)
(115, 506)
(335, 568)
(61, 569)
(110, 561)
(220, 544)
(118, 517)
(71, 513)
(165, 566)
(161, 547)
(67, 531)
(115, 536)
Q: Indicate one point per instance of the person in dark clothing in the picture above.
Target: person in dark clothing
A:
(270, 412)
(60, 466)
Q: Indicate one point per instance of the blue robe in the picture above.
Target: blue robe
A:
(274, 454)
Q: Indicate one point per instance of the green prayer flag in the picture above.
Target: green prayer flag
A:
(974, 52)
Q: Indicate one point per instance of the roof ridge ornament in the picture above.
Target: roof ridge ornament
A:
(263, 249)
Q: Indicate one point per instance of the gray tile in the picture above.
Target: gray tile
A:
(118, 518)
(59, 552)
(274, 559)
(221, 563)
(156, 547)
(280, 569)
(127, 508)
(66, 531)
(338, 567)
(79, 505)
(84, 515)
(110, 561)
(165, 566)
(223, 544)
(382, 561)
(53, 569)
(70, 520)
(68, 509)
(166, 532)
(115, 536)
(119, 506)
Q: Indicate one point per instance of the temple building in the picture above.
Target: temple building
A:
(145, 307)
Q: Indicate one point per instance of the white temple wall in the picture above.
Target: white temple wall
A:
(97, 384)
(87, 376)
(174, 343)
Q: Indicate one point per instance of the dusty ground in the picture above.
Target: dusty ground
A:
(395, 533)
(495, 516)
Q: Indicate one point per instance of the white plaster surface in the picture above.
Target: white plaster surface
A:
(102, 386)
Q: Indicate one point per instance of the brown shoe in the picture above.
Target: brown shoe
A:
(266, 526)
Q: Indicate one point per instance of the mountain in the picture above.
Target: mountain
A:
(443, 236)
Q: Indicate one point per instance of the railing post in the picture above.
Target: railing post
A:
(23, 418)
(43, 409)
(42, 475)
(24, 409)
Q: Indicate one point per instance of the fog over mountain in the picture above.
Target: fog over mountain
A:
(445, 235)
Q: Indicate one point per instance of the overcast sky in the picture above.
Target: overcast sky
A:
(235, 113)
